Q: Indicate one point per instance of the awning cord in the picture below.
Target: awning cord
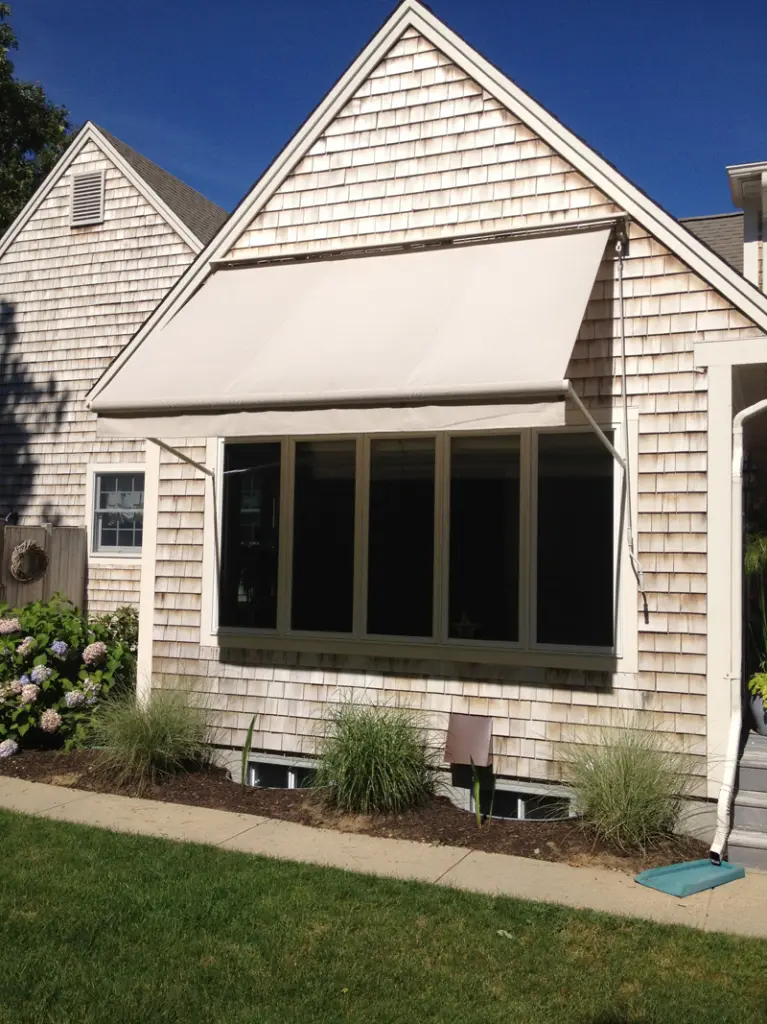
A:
(636, 567)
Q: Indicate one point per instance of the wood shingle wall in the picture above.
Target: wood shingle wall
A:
(69, 301)
(422, 152)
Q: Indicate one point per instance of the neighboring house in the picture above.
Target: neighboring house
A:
(97, 247)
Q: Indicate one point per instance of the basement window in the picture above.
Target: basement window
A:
(87, 199)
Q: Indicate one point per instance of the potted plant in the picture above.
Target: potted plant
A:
(755, 566)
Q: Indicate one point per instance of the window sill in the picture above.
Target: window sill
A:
(114, 557)
(574, 659)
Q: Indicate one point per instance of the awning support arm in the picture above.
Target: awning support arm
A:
(571, 393)
(184, 458)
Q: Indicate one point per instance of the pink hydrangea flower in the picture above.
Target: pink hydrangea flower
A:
(95, 653)
(50, 720)
(8, 626)
(26, 645)
(29, 693)
(15, 686)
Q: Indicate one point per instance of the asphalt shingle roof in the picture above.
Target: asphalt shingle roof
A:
(722, 232)
(201, 216)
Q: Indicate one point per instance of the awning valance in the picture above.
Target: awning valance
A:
(324, 346)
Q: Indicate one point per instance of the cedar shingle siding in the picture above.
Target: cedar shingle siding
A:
(422, 152)
(70, 298)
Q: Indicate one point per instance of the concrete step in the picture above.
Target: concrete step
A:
(750, 811)
(747, 848)
(756, 742)
(752, 775)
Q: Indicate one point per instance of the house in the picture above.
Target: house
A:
(97, 247)
(450, 413)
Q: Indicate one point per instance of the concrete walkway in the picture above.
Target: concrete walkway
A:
(739, 907)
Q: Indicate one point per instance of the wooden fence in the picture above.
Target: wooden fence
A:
(66, 549)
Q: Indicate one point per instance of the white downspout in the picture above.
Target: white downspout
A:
(726, 793)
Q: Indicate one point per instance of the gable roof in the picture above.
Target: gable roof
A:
(722, 232)
(411, 14)
(190, 214)
(201, 216)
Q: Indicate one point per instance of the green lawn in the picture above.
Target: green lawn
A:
(96, 927)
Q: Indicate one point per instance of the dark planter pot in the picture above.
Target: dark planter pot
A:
(759, 714)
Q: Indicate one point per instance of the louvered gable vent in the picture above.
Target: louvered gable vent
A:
(87, 199)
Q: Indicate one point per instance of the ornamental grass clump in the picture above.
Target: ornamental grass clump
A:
(376, 758)
(143, 743)
(629, 786)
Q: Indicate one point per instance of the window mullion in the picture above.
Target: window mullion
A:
(361, 520)
(527, 541)
(285, 562)
(441, 537)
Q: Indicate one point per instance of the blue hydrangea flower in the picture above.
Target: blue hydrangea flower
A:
(41, 673)
(59, 648)
(24, 680)
(74, 698)
(8, 748)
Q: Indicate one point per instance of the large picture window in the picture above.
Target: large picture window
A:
(323, 536)
(502, 539)
(251, 532)
(401, 538)
(484, 538)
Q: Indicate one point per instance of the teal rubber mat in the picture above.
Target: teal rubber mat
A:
(689, 878)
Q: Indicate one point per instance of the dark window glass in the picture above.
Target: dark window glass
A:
(251, 527)
(484, 538)
(323, 536)
(401, 537)
(575, 540)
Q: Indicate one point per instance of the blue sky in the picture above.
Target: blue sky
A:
(670, 91)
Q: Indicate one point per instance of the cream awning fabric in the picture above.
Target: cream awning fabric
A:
(324, 346)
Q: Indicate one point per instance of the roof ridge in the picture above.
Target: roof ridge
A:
(201, 215)
(712, 216)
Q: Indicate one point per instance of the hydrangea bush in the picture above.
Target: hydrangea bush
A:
(55, 666)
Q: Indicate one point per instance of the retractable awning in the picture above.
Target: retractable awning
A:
(469, 336)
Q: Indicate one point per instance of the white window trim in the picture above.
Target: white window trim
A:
(622, 658)
(106, 558)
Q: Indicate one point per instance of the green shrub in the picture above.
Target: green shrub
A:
(376, 758)
(121, 626)
(55, 667)
(628, 787)
(145, 742)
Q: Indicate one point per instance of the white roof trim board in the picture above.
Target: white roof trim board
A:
(411, 14)
(461, 323)
(90, 133)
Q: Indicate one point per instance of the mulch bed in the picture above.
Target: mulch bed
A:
(440, 822)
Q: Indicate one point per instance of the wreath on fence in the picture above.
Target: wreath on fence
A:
(29, 562)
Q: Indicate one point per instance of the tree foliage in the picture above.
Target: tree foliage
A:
(34, 132)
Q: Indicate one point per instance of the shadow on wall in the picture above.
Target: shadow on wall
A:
(28, 407)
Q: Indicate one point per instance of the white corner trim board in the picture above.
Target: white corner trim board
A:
(148, 573)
